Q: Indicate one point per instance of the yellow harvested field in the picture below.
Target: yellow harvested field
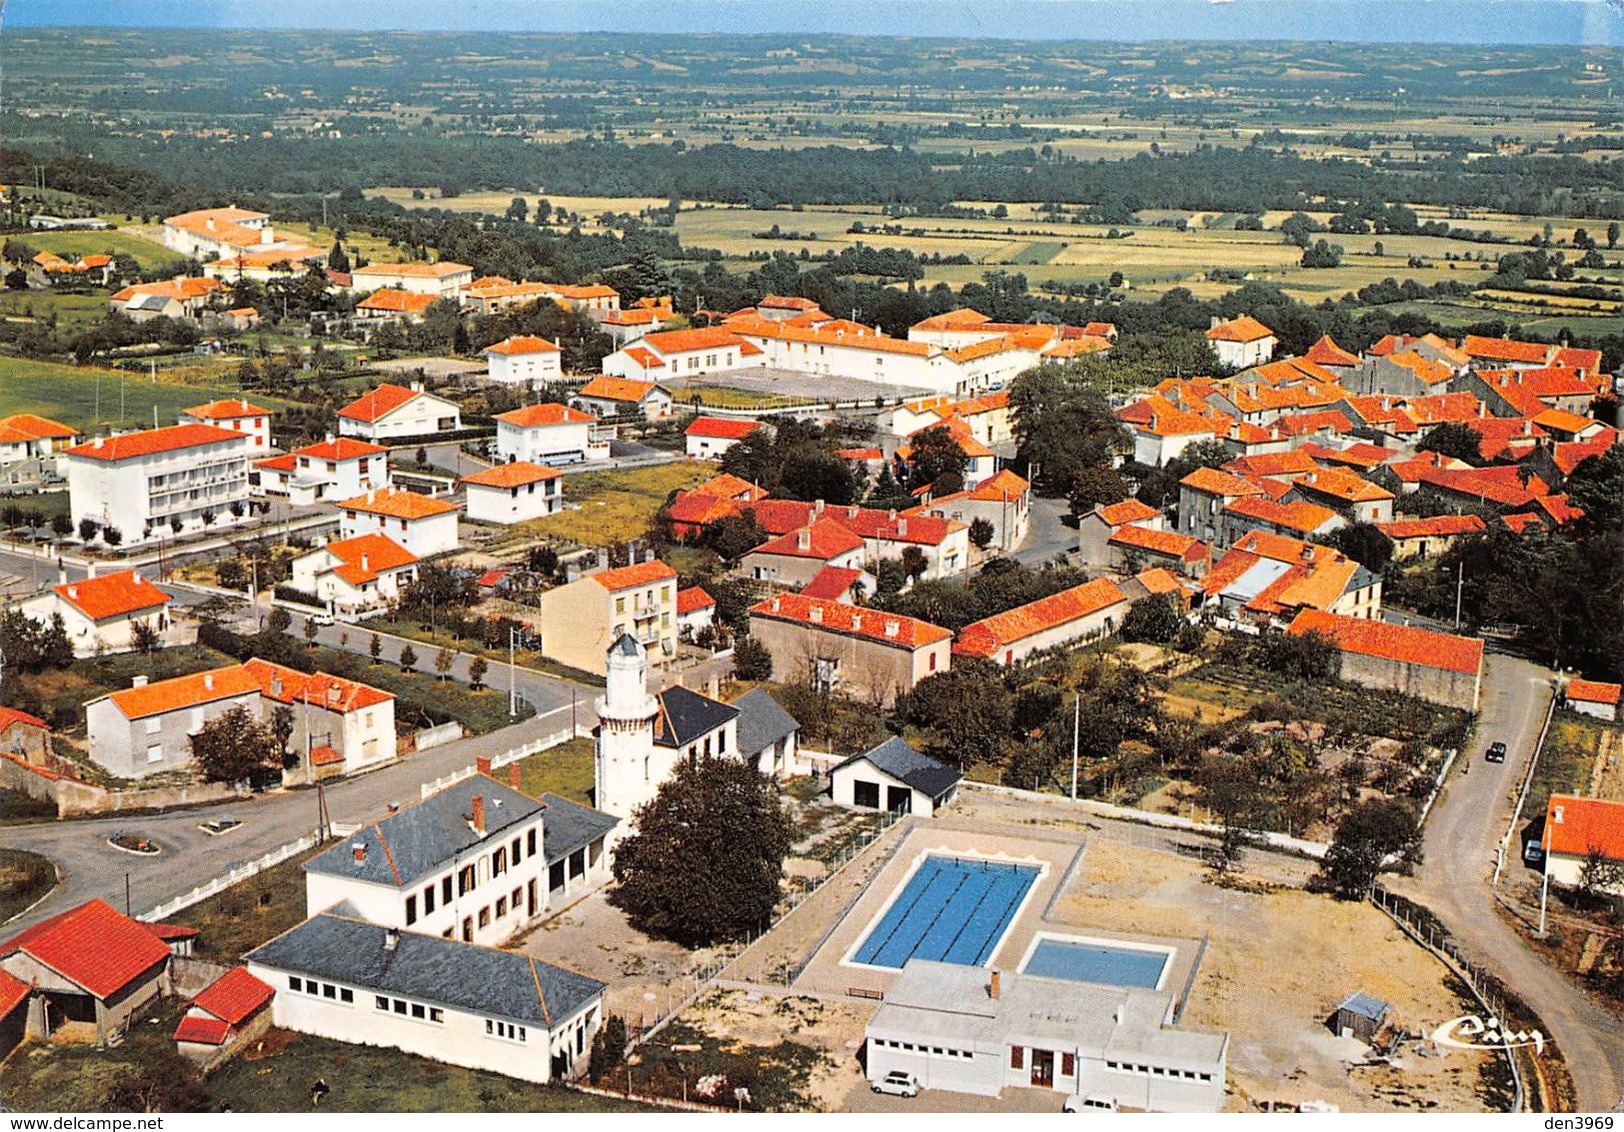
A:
(498, 202)
(613, 506)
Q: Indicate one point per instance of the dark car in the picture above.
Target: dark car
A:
(1496, 753)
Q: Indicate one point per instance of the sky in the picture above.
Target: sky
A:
(1599, 22)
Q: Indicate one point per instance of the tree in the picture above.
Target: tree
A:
(144, 637)
(310, 632)
(338, 259)
(1599, 875)
(1232, 795)
(1454, 440)
(981, 532)
(442, 663)
(112, 536)
(733, 536)
(1364, 543)
(752, 660)
(1297, 228)
(914, 562)
(408, 658)
(1367, 836)
(61, 525)
(1155, 619)
(936, 453)
(1612, 234)
(476, 672)
(375, 647)
(279, 620)
(234, 747)
(608, 1048)
(88, 528)
(1096, 485)
(707, 859)
(966, 711)
(1298, 656)
(1322, 254)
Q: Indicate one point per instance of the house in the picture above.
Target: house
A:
(1242, 343)
(551, 434)
(611, 396)
(767, 734)
(709, 437)
(524, 358)
(342, 978)
(514, 493)
(90, 966)
(1441, 667)
(1004, 501)
(1328, 355)
(183, 298)
(101, 613)
(669, 354)
(147, 728)
(1577, 829)
(393, 412)
(625, 326)
(583, 618)
(26, 436)
(441, 280)
(353, 575)
(472, 862)
(834, 583)
(793, 560)
(696, 610)
(1132, 547)
(235, 415)
(24, 735)
(1296, 519)
(872, 655)
(336, 468)
(227, 1013)
(1592, 697)
(160, 483)
(969, 1030)
(1094, 530)
(942, 544)
(1159, 582)
(392, 305)
(1203, 496)
(216, 233)
(1426, 538)
(1360, 1016)
(423, 525)
(1081, 613)
(896, 778)
(1266, 578)
(1167, 430)
(1347, 493)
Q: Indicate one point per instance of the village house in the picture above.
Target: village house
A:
(582, 619)
(1004, 501)
(696, 611)
(611, 396)
(768, 736)
(1267, 578)
(1094, 530)
(25, 436)
(980, 461)
(347, 980)
(1133, 547)
(514, 493)
(1242, 343)
(1082, 613)
(333, 469)
(1427, 538)
(709, 437)
(666, 355)
(864, 653)
(492, 294)
(1440, 667)
(213, 233)
(1593, 698)
(26, 736)
(1576, 830)
(182, 298)
(441, 280)
(894, 778)
(524, 358)
(625, 326)
(235, 415)
(351, 576)
(1296, 519)
(551, 434)
(162, 482)
(392, 305)
(1203, 496)
(794, 559)
(1162, 430)
(424, 525)
(1350, 495)
(101, 613)
(393, 412)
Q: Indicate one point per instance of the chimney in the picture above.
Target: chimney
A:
(1556, 814)
(100, 440)
(391, 938)
(815, 614)
(856, 622)
(266, 236)
(73, 593)
(993, 985)
(138, 681)
(479, 814)
(62, 575)
(803, 539)
(276, 687)
(208, 222)
(334, 695)
(513, 775)
(902, 528)
(482, 764)
(891, 515)
(208, 681)
(817, 507)
(363, 563)
(776, 604)
(358, 850)
(893, 628)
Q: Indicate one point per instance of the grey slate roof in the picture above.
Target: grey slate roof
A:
(567, 826)
(403, 848)
(902, 762)
(686, 716)
(762, 722)
(1365, 1006)
(445, 972)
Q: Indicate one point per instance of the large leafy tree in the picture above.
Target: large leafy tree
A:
(1368, 835)
(965, 711)
(234, 746)
(936, 454)
(706, 861)
(1064, 423)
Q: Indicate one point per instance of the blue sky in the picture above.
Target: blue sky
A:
(1435, 21)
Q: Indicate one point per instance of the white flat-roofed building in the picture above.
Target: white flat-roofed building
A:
(161, 482)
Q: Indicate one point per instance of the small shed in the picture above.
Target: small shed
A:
(896, 778)
(1361, 1016)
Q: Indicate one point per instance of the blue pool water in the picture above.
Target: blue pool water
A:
(1083, 962)
(953, 909)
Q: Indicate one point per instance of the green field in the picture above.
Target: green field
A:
(71, 245)
(1039, 251)
(96, 400)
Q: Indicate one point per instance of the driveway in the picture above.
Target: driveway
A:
(1460, 842)
(1046, 533)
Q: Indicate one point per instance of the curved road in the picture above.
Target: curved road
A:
(1461, 839)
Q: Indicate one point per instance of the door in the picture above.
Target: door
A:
(1042, 1068)
(899, 799)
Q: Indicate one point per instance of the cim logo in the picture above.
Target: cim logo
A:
(1471, 1032)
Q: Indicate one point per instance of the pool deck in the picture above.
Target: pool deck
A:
(1063, 864)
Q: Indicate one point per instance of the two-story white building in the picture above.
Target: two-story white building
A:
(514, 493)
(443, 280)
(551, 434)
(422, 524)
(333, 469)
(1242, 343)
(392, 412)
(101, 613)
(160, 483)
(524, 358)
(236, 415)
(353, 575)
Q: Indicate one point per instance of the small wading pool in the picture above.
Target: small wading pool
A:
(1091, 961)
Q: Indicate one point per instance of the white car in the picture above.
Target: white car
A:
(898, 1084)
(1076, 1103)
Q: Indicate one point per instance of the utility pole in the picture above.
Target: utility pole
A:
(513, 677)
(1460, 587)
(1076, 734)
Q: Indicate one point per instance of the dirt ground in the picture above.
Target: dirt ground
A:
(1607, 770)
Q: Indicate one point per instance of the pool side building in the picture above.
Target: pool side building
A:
(970, 1030)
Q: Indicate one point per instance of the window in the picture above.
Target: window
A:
(933, 662)
(466, 880)
(485, 916)
(328, 990)
(721, 742)
(501, 907)
(400, 1006)
(498, 862)
(436, 1014)
(865, 794)
(346, 995)
(506, 1030)
(1017, 1057)
(428, 899)
(518, 894)
(514, 851)
(295, 983)
(155, 753)
(530, 843)
(411, 910)
(1068, 1065)
(419, 1011)
(445, 890)
(380, 1002)
(155, 724)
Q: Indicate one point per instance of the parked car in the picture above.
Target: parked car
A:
(898, 1084)
(1075, 1103)
(1496, 753)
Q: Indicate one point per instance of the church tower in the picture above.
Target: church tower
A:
(623, 775)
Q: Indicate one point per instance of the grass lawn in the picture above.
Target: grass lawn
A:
(496, 677)
(1564, 764)
(565, 770)
(62, 692)
(72, 311)
(92, 399)
(721, 397)
(251, 912)
(24, 878)
(423, 698)
(72, 245)
(612, 505)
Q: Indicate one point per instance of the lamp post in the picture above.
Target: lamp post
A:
(513, 677)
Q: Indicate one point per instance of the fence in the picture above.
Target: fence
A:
(235, 876)
(512, 755)
(1522, 794)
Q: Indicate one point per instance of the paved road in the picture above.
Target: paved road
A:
(1461, 838)
(1047, 535)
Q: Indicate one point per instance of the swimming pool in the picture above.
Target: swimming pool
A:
(953, 909)
(1090, 961)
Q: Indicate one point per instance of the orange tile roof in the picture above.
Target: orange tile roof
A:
(1272, 464)
(1214, 482)
(729, 486)
(1301, 424)
(378, 403)
(93, 945)
(29, 426)
(1127, 511)
(1504, 349)
(721, 427)
(825, 539)
(1440, 526)
(985, 637)
(10, 716)
(585, 290)
(627, 577)
(1439, 408)
(179, 693)
(270, 257)
(514, 474)
(787, 302)
(668, 342)
(154, 441)
(1576, 827)
(1594, 692)
(340, 448)
(839, 617)
(325, 756)
(1001, 488)
(398, 503)
(390, 301)
(233, 408)
(318, 689)
(196, 1029)
(1344, 485)
(693, 598)
(1242, 329)
(363, 558)
(1169, 543)
(1569, 454)
(962, 319)
(1326, 352)
(1588, 361)
(415, 270)
(522, 344)
(1159, 580)
(13, 993)
(540, 416)
(1299, 516)
(645, 359)
(287, 462)
(1557, 420)
(1472, 482)
(1521, 523)
(860, 453)
(1382, 639)
(112, 595)
(617, 389)
(1425, 369)
(832, 583)
(234, 997)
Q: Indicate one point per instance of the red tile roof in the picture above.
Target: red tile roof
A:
(340, 448)
(1437, 527)
(319, 689)
(839, 617)
(1302, 516)
(363, 558)
(398, 503)
(112, 595)
(832, 583)
(622, 389)
(234, 996)
(1214, 482)
(693, 598)
(1594, 692)
(154, 441)
(234, 408)
(30, 426)
(1001, 488)
(1127, 511)
(1504, 349)
(1326, 352)
(1576, 827)
(1272, 464)
(721, 427)
(514, 474)
(823, 539)
(626, 577)
(200, 1030)
(540, 416)
(93, 945)
(729, 486)
(522, 344)
(378, 403)
(1242, 329)
(986, 637)
(325, 756)
(13, 993)
(1343, 485)
(1473, 483)
(181, 692)
(668, 342)
(1387, 641)
(417, 269)
(962, 319)
(388, 300)
(10, 716)
(1169, 543)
